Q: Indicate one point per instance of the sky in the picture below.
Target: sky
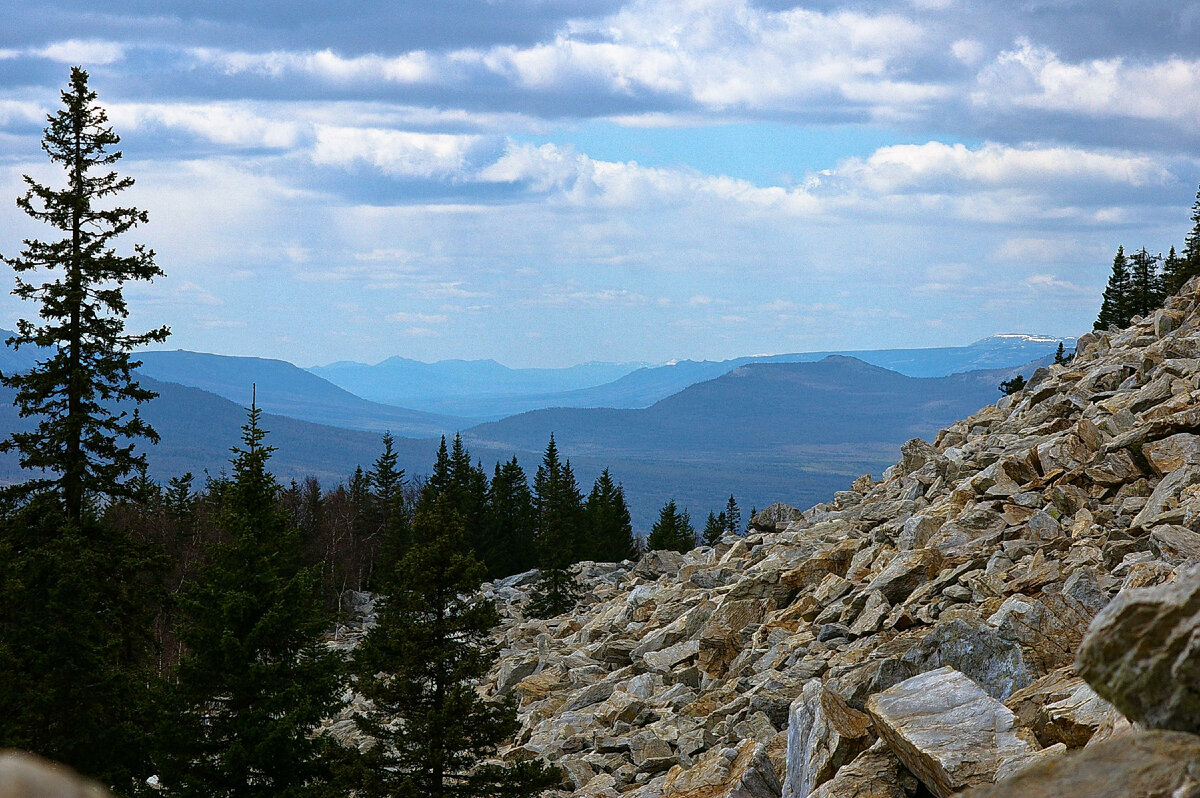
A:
(548, 182)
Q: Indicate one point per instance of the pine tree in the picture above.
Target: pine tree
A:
(733, 516)
(510, 523)
(673, 530)
(1060, 357)
(559, 509)
(1173, 275)
(1146, 292)
(714, 528)
(1191, 247)
(1114, 309)
(387, 483)
(420, 665)
(255, 680)
(609, 529)
(82, 443)
(1009, 387)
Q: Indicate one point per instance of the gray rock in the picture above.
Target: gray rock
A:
(824, 733)
(24, 775)
(946, 730)
(1142, 653)
(992, 662)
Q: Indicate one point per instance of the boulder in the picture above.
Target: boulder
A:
(1174, 452)
(946, 730)
(824, 733)
(1149, 765)
(876, 773)
(1142, 653)
(991, 661)
(744, 771)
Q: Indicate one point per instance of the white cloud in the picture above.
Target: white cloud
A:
(88, 52)
(229, 124)
(414, 67)
(396, 152)
(1034, 77)
(402, 317)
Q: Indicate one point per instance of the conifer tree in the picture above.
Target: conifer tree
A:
(1190, 256)
(558, 504)
(1060, 357)
(255, 680)
(609, 529)
(733, 516)
(1114, 309)
(673, 530)
(510, 522)
(81, 442)
(1009, 387)
(387, 483)
(420, 664)
(714, 528)
(1145, 290)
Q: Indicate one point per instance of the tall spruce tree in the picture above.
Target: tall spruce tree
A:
(255, 680)
(511, 522)
(419, 665)
(733, 516)
(1173, 276)
(559, 507)
(1114, 309)
(714, 528)
(1190, 256)
(609, 531)
(672, 531)
(82, 443)
(1145, 289)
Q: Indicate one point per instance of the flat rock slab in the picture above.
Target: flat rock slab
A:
(1154, 764)
(1142, 653)
(946, 730)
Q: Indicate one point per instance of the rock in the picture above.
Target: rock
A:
(24, 775)
(775, 517)
(741, 772)
(1172, 453)
(1142, 653)
(946, 730)
(824, 733)
(1149, 765)
(650, 752)
(905, 571)
(876, 773)
(991, 661)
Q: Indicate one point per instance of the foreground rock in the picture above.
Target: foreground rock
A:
(1149, 765)
(1143, 654)
(24, 775)
(947, 731)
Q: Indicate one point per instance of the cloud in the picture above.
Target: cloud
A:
(88, 52)
(402, 317)
(397, 153)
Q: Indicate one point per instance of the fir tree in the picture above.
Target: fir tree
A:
(1114, 309)
(733, 516)
(255, 680)
(673, 530)
(387, 483)
(1060, 357)
(559, 509)
(1191, 247)
(420, 664)
(83, 445)
(1173, 273)
(1145, 289)
(609, 529)
(1009, 387)
(510, 522)
(714, 528)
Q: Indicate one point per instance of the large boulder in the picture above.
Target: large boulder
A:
(994, 663)
(946, 730)
(824, 733)
(876, 773)
(744, 771)
(1150, 765)
(1142, 653)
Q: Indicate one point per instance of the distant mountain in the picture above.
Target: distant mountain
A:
(291, 391)
(461, 384)
(507, 395)
(765, 431)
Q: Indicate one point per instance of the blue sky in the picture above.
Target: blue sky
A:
(546, 182)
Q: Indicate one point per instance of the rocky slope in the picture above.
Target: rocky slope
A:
(919, 634)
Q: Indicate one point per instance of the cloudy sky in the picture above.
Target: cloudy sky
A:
(546, 182)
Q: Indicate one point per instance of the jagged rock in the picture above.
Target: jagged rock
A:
(905, 572)
(741, 772)
(946, 730)
(1172, 453)
(1142, 653)
(876, 773)
(991, 661)
(1149, 765)
(775, 517)
(824, 733)
(23, 775)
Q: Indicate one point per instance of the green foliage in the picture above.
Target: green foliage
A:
(1060, 357)
(733, 516)
(673, 530)
(420, 665)
(1114, 309)
(255, 680)
(714, 528)
(1145, 290)
(1009, 387)
(510, 522)
(81, 442)
(559, 507)
(609, 530)
(1190, 256)
(76, 646)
